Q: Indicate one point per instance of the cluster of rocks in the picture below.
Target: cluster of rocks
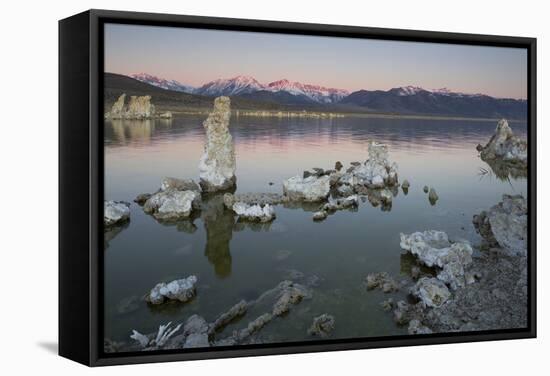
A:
(433, 249)
(137, 108)
(197, 332)
(181, 290)
(175, 200)
(505, 146)
(250, 210)
(465, 293)
(382, 281)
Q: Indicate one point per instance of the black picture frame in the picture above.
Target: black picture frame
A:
(81, 185)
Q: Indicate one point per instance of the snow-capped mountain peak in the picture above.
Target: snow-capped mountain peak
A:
(314, 92)
(231, 86)
(409, 90)
(247, 84)
(163, 83)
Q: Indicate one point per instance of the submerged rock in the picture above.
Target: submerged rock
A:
(128, 305)
(432, 196)
(434, 249)
(320, 215)
(322, 325)
(217, 164)
(505, 224)
(432, 292)
(182, 290)
(238, 310)
(505, 145)
(290, 294)
(142, 198)
(172, 204)
(405, 184)
(115, 213)
(254, 326)
(383, 281)
(387, 305)
(308, 189)
(254, 213)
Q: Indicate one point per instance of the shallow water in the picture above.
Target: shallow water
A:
(234, 262)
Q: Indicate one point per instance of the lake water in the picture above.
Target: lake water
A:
(234, 262)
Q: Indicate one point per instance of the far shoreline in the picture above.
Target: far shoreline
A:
(334, 115)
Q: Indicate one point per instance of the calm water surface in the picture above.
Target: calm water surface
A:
(235, 262)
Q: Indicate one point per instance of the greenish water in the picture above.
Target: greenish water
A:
(234, 262)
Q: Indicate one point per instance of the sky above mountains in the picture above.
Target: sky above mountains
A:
(194, 56)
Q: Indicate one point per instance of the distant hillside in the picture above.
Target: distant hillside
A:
(168, 100)
(410, 100)
(247, 94)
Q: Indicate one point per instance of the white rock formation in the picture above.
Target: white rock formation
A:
(309, 189)
(172, 204)
(505, 145)
(434, 249)
(180, 289)
(377, 171)
(431, 291)
(254, 213)
(115, 212)
(179, 184)
(139, 107)
(506, 223)
(217, 164)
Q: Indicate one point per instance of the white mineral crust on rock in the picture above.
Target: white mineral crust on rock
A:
(310, 189)
(508, 220)
(179, 184)
(217, 164)
(431, 291)
(172, 204)
(115, 212)
(434, 249)
(180, 289)
(377, 171)
(139, 107)
(505, 145)
(258, 213)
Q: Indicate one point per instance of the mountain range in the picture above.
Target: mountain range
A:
(407, 100)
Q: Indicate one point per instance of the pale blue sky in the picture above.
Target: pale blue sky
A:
(195, 56)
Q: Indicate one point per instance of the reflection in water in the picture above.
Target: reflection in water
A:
(253, 226)
(439, 154)
(123, 131)
(111, 232)
(219, 224)
(503, 170)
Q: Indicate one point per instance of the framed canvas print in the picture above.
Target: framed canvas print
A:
(239, 187)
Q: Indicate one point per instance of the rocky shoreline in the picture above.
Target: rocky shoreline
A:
(451, 287)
